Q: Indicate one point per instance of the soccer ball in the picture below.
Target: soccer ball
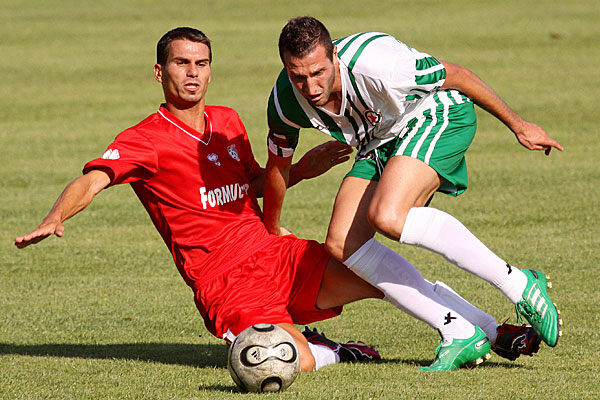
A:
(264, 358)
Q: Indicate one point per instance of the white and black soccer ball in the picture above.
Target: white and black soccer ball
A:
(264, 358)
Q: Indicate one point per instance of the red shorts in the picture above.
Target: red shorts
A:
(277, 284)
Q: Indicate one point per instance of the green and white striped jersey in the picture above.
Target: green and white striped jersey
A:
(385, 85)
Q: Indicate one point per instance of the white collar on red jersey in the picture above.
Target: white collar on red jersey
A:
(188, 133)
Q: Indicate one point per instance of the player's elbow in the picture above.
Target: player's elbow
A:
(456, 75)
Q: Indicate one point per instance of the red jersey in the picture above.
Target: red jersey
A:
(195, 187)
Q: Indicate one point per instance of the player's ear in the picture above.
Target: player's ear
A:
(335, 59)
(335, 56)
(158, 73)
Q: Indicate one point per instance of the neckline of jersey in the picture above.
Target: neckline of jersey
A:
(209, 125)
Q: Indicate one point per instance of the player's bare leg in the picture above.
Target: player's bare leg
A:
(405, 183)
(407, 180)
(341, 286)
(350, 238)
(396, 212)
(349, 228)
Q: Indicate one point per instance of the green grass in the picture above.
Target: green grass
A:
(103, 313)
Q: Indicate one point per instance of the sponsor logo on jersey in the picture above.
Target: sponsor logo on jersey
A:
(233, 152)
(222, 195)
(111, 154)
(373, 117)
(214, 158)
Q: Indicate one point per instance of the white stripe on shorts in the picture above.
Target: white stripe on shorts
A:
(415, 152)
(446, 102)
(411, 134)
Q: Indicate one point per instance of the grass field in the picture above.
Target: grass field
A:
(103, 313)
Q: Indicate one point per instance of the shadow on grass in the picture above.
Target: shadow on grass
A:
(221, 388)
(196, 355)
(486, 365)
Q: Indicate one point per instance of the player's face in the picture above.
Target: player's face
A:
(315, 75)
(186, 74)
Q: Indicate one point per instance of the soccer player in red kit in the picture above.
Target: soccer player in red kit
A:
(192, 167)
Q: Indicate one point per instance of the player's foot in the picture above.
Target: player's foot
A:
(348, 352)
(514, 340)
(538, 309)
(454, 353)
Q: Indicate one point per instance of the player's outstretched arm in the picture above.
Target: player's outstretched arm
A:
(530, 135)
(77, 195)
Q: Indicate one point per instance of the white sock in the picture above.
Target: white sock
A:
(323, 355)
(441, 233)
(474, 315)
(405, 288)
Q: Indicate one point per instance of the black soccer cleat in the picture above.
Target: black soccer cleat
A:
(514, 340)
(348, 352)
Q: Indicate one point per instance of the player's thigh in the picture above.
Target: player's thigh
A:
(349, 228)
(406, 182)
(341, 286)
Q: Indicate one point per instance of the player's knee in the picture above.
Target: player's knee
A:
(335, 246)
(386, 220)
(343, 246)
(307, 360)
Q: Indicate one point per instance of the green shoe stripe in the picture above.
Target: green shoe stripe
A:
(538, 309)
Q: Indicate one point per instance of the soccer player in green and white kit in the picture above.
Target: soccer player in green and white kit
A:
(411, 118)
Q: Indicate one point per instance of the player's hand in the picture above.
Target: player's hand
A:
(322, 158)
(45, 229)
(532, 137)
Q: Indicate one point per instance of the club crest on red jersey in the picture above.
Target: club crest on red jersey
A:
(373, 117)
(233, 152)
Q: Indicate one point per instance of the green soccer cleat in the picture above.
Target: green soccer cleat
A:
(538, 309)
(456, 353)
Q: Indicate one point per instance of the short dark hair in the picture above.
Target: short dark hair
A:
(301, 34)
(191, 34)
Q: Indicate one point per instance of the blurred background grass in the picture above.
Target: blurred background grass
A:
(102, 313)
